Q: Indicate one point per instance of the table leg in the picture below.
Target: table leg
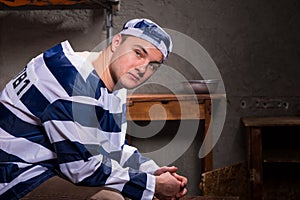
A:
(255, 167)
(207, 160)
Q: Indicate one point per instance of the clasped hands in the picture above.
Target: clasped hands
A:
(169, 185)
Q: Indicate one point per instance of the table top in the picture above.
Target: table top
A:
(271, 121)
(173, 97)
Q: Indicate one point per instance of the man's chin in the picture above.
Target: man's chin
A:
(130, 87)
(126, 86)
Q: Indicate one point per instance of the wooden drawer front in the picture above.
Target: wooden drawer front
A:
(169, 110)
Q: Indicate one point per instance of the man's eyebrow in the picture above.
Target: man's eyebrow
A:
(156, 62)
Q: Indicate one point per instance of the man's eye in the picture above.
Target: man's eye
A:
(154, 66)
(138, 53)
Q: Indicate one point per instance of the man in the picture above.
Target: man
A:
(62, 123)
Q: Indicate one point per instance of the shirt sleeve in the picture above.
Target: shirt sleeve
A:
(132, 158)
(83, 145)
(129, 156)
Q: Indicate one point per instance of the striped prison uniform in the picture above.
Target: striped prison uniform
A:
(58, 117)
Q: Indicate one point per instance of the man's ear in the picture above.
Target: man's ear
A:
(116, 41)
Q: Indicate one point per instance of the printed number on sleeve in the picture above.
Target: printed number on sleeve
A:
(21, 83)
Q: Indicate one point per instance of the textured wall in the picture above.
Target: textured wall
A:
(254, 43)
(25, 34)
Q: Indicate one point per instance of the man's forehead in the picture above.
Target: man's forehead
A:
(138, 41)
(143, 45)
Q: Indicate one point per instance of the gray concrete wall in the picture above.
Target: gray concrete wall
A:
(25, 34)
(255, 45)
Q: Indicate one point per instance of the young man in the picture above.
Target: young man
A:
(62, 123)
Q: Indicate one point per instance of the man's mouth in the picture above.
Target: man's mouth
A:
(134, 77)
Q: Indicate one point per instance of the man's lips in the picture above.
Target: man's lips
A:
(134, 77)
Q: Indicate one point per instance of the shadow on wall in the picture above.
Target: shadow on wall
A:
(25, 34)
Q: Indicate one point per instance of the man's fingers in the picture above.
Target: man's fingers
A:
(181, 193)
(165, 169)
(172, 169)
(182, 179)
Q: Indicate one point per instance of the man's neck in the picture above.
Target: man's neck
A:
(101, 65)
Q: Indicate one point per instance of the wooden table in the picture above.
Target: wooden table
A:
(258, 154)
(139, 106)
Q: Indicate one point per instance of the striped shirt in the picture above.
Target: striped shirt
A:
(58, 117)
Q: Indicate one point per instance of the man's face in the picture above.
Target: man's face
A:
(134, 60)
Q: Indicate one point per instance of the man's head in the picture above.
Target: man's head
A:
(138, 50)
(151, 32)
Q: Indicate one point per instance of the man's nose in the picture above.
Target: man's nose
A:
(142, 69)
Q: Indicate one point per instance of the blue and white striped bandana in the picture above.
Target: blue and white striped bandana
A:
(151, 32)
